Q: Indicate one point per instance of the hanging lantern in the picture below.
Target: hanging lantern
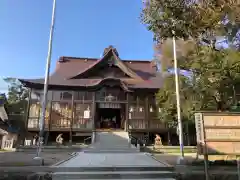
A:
(140, 109)
(151, 109)
(159, 110)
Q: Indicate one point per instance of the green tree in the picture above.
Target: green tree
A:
(217, 75)
(166, 99)
(164, 52)
(17, 96)
(192, 19)
(196, 26)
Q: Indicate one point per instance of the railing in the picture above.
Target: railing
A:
(83, 124)
(143, 140)
(137, 124)
(34, 123)
(156, 124)
(87, 139)
(61, 125)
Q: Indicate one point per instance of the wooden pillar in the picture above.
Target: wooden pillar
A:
(72, 116)
(50, 118)
(27, 114)
(93, 117)
(50, 113)
(127, 113)
(28, 107)
(147, 119)
(93, 111)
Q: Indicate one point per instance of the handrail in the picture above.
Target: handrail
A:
(137, 140)
(90, 137)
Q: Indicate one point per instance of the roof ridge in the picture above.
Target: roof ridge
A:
(63, 58)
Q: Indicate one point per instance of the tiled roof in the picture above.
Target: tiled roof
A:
(69, 67)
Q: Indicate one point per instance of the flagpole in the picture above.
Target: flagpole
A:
(180, 128)
(46, 82)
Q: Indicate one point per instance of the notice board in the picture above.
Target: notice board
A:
(218, 133)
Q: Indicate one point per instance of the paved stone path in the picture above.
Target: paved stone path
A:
(111, 159)
(103, 154)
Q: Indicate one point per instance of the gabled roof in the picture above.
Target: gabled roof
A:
(109, 52)
(70, 72)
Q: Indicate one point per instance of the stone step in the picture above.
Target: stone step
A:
(50, 149)
(133, 179)
(112, 140)
(115, 175)
(136, 179)
(109, 151)
(109, 168)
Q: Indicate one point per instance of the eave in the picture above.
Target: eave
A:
(36, 84)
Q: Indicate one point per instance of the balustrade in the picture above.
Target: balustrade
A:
(137, 124)
(142, 114)
(156, 124)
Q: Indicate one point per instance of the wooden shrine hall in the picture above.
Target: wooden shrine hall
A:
(87, 94)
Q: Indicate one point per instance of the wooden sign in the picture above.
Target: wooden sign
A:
(218, 133)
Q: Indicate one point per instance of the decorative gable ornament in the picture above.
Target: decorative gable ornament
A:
(111, 61)
(109, 98)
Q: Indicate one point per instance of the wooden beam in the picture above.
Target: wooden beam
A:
(127, 113)
(72, 116)
(27, 113)
(28, 107)
(50, 113)
(147, 119)
(93, 111)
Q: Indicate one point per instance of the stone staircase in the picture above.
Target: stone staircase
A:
(117, 173)
(113, 141)
(112, 157)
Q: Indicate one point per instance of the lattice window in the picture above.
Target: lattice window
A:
(83, 95)
(66, 95)
(82, 116)
(136, 111)
(34, 115)
(61, 115)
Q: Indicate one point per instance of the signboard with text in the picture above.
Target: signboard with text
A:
(218, 133)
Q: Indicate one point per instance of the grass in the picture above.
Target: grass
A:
(170, 150)
(190, 152)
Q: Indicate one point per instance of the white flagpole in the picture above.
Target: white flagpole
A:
(180, 128)
(45, 91)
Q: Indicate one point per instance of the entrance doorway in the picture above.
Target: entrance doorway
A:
(109, 117)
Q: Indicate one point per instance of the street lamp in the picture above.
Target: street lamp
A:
(180, 129)
(45, 91)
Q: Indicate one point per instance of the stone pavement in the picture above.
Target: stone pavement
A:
(102, 154)
(111, 159)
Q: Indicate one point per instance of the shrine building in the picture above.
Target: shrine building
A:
(91, 94)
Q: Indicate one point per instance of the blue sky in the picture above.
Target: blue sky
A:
(83, 28)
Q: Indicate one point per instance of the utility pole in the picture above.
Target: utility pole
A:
(46, 82)
(180, 128)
